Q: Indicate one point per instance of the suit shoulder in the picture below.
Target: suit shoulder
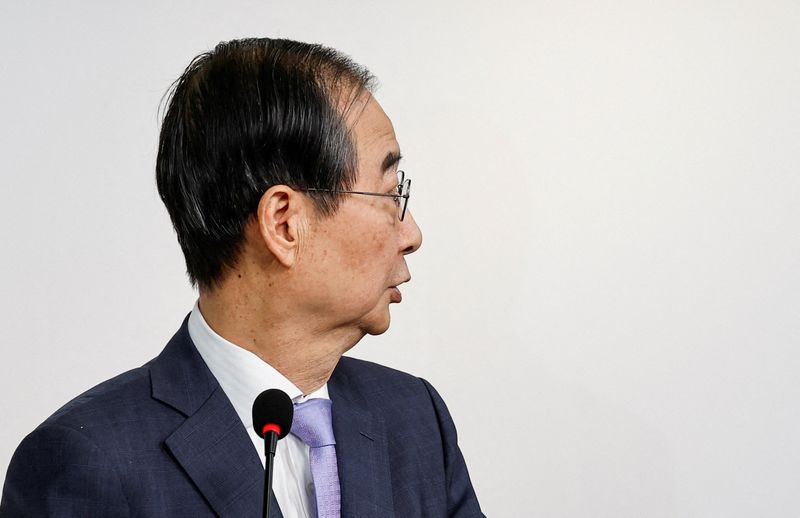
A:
(115, 399)
(368, 373)
(381, 385)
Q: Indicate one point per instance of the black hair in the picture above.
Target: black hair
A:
(248, 115)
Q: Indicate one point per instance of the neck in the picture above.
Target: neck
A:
(300, 348)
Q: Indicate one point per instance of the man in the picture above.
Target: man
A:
(279, 172)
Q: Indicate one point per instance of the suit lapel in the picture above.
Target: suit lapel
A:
(213, 448)
(212, 445)
(361, 452)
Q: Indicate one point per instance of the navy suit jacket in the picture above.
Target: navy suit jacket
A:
(164, 440)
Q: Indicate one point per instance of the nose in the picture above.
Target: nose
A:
(411, 234)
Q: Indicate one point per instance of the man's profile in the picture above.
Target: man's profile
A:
(280, 173)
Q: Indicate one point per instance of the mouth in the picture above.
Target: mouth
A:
(395, 294)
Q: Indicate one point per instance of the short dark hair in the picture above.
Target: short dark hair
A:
(248, 115)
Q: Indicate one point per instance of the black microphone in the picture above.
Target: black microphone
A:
(272, 419)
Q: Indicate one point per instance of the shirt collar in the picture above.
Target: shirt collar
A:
(240, 373)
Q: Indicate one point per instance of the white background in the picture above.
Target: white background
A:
(607, 294)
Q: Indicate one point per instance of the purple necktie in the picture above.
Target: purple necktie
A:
(312, 425)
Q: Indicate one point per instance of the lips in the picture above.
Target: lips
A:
(395, 294)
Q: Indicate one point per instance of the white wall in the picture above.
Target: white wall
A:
(609, 197)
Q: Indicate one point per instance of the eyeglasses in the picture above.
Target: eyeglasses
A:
(401, 198)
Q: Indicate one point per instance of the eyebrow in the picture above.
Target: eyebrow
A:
(392, 159)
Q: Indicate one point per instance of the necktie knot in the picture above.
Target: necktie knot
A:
(312, 423)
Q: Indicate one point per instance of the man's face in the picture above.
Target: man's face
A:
(355, 259)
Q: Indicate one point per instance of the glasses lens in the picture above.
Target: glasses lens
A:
(405, 194)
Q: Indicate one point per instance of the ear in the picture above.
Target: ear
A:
(281, 218)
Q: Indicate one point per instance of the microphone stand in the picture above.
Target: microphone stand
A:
(270, 444)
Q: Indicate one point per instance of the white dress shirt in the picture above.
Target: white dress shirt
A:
(243, 376)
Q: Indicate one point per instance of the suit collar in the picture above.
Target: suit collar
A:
(179, 377)
(212, 445)
(361, 450)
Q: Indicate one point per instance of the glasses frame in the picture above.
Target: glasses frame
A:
(402, 196)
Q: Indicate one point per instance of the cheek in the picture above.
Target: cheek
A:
(368, 256)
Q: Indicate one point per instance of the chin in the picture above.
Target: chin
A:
(376, 325)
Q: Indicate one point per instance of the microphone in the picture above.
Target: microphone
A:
(272, 419)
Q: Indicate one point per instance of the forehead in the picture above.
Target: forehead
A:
(374, 136)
